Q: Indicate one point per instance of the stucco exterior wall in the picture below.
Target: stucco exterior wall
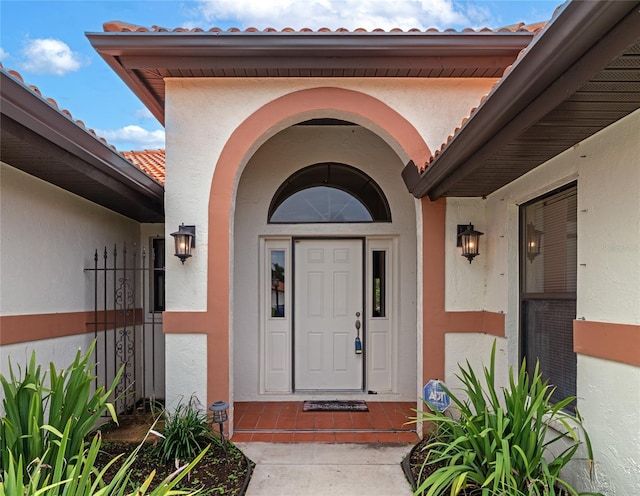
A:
(201, 114)
(609, 400)
(465, 282)
(476, 349)
(48, 236)
(60, 351)
(288, 151)
(607, 169)
(185, 369)
(609, 224)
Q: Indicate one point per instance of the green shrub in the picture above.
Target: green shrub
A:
(66, 401)
(186, 432)
(496, 449)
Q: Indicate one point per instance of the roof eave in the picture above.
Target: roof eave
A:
(316, 44)
(520, 96)
(27, 109)
(128, 52)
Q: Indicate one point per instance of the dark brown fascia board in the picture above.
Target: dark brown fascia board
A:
(137, 86)
(32, 111)
(134, 62)
(125, 52)
(500, 117)
(247, 44)
(572, 79)
(85, 181)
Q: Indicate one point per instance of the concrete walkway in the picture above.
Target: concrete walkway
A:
(315, 469)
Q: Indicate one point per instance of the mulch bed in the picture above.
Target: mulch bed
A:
(416, 474)
(219, 472)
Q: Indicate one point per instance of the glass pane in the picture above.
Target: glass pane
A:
(321, 204)
(549, 327)
(550, 244)
(379, 284)
(277, 283)
(329, 192)
(549, 264)
(158, 274)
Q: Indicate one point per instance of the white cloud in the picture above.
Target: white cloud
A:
(333, 14)
(133, 137)
(143, 113)
(49, 56)
(3, 54)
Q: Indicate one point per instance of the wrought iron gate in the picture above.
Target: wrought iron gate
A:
(127, 325)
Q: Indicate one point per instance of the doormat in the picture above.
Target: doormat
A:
(335, 406)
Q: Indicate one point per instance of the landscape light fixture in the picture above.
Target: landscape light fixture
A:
(220, 411)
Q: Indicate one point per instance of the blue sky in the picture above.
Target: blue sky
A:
(45, 41)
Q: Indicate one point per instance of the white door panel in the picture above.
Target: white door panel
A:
(328, 287)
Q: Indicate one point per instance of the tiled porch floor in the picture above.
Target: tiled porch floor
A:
(285, 422)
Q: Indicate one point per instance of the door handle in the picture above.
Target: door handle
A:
(358, 343)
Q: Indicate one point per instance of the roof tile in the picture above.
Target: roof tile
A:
(120, 26)
(151, 162)
(34, 89)
(516, 27)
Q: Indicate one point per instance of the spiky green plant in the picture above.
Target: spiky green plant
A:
(37, 410)
(78, 477)
(500, 443)
(186, 432)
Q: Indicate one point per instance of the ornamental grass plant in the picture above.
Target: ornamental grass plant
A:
(79, 477)
(513, 442)
(37, 410)
(44, 431)
(186, 432)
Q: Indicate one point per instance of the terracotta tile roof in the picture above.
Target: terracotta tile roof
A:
(151, 162)
(536, 28)
(122, 27)
(457, 130)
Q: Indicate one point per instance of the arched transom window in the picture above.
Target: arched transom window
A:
(329, 193)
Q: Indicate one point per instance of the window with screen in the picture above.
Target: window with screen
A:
(548, 261)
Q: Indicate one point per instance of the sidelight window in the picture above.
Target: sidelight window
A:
(379, 280)
(277, 283)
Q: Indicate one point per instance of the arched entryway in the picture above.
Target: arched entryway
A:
(298, 340)
(375, 261)
(372, 116)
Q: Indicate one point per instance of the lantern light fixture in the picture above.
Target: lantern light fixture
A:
(468, 240)
(220, 411)
(534, 242)
(185, 240)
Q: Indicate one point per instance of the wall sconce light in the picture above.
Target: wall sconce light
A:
(468, 239)
(534, 242)
(220, 415)
(185, 239)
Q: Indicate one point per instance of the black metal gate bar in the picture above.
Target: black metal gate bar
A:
(124, 325)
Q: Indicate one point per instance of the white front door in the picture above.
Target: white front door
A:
(328, 302)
